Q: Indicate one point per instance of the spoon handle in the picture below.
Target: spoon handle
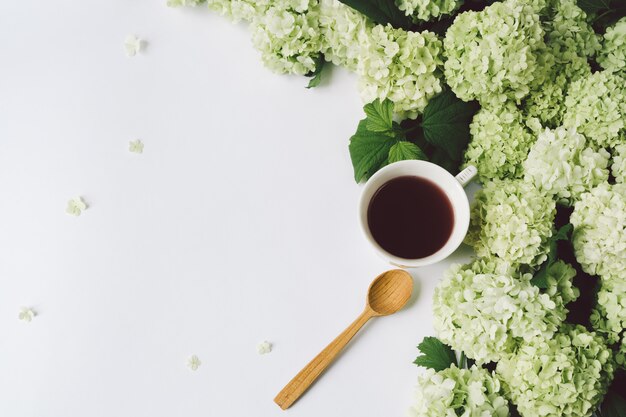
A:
(301, 382)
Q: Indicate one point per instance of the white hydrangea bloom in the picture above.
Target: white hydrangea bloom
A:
(76, 206)
(26, 314)
(566, 375)
(424, 10)
(341, 26)
(612, 57)
(455, 392)
(546, 100)
(179, 3)
(288, 36)
(487, 308)
(599, 238)
(512, 220)
(401, 66)
(135, 146)
(618, 168)
(609, 316)
(491, 54)
(560, 280)
(596, 106)
(193, 363)
(132, 45)
(264, 347)
(568, 35)
(500, 142)
(561, 164)
(235, 10)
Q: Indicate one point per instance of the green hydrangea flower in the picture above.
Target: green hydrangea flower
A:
(569, 41)
(341, 28)
(288, 36)
(546, 100)
(491, 54)
(612, 57)
(568, 35)
(561, 164)
(566, 375)
(596, 106)
(512, 220)
(235, 10)
(179, 3)
(500, 142)
(487, 308)
(560, 279)
(609, 316)
(599, 238)
(424, 10)
(455, 392)
(401, 66)
(618, 168)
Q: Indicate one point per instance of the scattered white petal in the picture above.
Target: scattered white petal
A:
(264, 348)
(135, 146)
(26, 314)
(132, 45)
(193, 363)
(76, 206)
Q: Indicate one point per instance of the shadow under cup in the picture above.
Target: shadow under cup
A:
(451, 186)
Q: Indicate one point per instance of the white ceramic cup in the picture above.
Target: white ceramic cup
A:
(453, 188)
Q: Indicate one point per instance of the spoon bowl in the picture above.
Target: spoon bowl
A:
(389, 292)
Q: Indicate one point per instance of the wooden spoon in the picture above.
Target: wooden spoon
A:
(387, 294)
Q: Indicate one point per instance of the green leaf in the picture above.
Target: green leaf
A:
(603, 13)
(446, 122)
(595, 6)
(614, 405)
(404, 150)
(316, 76)
(541, 277)
(435, 355)
(379, 115)
(369, 151)
(381, 11)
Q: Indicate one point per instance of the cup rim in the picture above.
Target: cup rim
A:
(460, 227)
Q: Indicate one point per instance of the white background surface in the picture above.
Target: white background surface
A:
(237, 224)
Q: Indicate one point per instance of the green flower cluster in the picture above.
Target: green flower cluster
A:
(612, 57)
(235, 10)
(487, 309)
(546, 101)
(566, 375)
(618, 168)
(561, 164)
(288, 36)
(609, 316)
(596, 107)
(568, 35)
(424, 10)
(500, 142)
(401, 66)
(560, 284)
(491, 54)
(512, 220)
(341, 27)
(569, 42)
(179, 3)
(599, 238)
(455, 392)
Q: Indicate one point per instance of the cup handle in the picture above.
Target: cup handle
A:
(465, 176)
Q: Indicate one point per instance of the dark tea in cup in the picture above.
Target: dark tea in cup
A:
(410, 217)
